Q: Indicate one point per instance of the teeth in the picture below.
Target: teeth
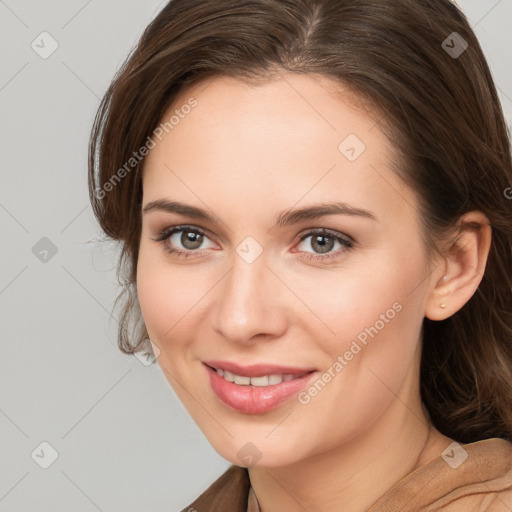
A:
(275, 379)
(265, 380)
(260, 381)
(245, 381)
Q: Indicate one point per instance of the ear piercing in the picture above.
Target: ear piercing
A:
(444, 305)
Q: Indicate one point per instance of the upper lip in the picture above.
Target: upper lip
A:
(257, 370)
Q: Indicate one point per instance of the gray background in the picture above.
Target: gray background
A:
(124, 442)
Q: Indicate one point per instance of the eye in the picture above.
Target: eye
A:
(183, 240)
(187, 241)
(323, 242)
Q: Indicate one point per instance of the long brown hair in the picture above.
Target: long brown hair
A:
(420, 66)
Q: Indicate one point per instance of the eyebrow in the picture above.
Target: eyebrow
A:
(285, 218)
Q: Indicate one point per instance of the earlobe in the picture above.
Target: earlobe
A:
(439, 306)
(464, 266)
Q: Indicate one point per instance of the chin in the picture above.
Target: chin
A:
(257, 454)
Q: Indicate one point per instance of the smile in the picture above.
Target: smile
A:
(262, 388)
(265, 380)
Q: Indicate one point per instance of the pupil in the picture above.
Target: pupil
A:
(321, 242)
(191, 240)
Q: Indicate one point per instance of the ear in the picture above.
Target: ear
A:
(463, 265)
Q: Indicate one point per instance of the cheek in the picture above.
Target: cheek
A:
(367, 361)
(380, 295)
(370, 320)
(157, 295)
(169, 296)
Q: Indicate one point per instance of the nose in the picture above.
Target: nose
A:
(251, 302)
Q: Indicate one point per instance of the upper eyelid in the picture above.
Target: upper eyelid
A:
(176, 228)
(326, 231)
(164, 234)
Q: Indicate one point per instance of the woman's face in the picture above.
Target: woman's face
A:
(260, 291)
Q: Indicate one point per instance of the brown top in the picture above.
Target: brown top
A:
(475, 477)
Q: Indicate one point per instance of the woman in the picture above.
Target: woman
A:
(311, 200)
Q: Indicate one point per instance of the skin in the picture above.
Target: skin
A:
(246, 153)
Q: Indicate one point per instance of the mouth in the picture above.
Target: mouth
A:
(258, 388)
(272, 379)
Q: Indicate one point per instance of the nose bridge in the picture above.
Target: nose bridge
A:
(246, 304)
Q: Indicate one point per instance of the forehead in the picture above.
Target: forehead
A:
(301, 106)
(284, 139)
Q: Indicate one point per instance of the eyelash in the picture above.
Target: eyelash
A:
(346, 243)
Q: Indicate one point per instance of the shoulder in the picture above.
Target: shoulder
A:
(229, 492)
(483, 501)
(491, 488)
(464, 478)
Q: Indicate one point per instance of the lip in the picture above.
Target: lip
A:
(257, 370)
(256, 400)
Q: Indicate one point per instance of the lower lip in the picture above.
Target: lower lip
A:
(255, 400)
